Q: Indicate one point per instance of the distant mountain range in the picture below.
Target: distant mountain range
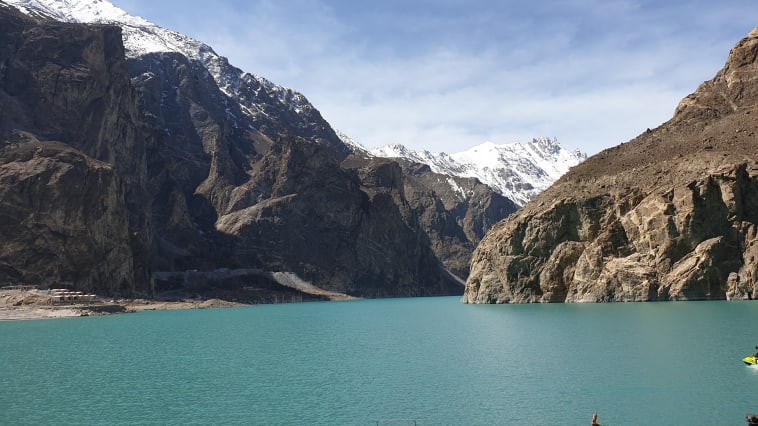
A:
(518, 171)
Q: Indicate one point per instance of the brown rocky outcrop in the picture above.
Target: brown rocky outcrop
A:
(69, 211)
(670, 215)
(59, 235)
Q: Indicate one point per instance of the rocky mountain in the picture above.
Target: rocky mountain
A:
(263, 106)
(518, 171)
(669, 215)
(73, 200)
(136, 161)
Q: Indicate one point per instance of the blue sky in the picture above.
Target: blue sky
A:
(446, 75)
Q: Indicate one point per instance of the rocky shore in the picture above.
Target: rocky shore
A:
(27, 304)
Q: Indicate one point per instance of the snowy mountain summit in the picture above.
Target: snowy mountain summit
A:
(519, 171)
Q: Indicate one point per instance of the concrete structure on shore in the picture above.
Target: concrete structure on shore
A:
(58, 296)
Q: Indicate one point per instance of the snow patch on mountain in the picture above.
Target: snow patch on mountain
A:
(142, 37)
(354, 146)
(518, 171)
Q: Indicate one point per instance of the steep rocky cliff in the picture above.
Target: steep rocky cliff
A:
(454, 212)
(72, 202)
(670, 215)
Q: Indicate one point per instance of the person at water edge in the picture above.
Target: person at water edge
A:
(594, 421)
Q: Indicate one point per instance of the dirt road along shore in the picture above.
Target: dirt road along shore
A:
(30, 303)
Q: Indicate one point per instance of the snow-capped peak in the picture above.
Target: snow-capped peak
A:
(140, 35)
(73, 10)
(519, 171)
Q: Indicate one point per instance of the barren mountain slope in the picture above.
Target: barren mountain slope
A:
(670, 215)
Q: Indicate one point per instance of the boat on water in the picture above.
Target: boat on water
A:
(750, 360)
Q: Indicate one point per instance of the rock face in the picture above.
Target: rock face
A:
(69, 212)
(229, 196)
(116, 173)
(670, 215)
(454, 212)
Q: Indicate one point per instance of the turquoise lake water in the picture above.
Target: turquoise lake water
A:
(432, 360)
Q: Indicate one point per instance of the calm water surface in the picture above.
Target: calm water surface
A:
(433, 360)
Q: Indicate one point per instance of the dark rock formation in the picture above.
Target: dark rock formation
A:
(74, 211)
(229, 196)
(454, 212)
(50, 228)
(670, 215)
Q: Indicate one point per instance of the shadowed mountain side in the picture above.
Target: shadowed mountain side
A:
(454, 212)
(670, 215)
(303, 213)
(229, 196)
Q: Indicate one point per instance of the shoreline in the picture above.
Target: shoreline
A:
(33, 304)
